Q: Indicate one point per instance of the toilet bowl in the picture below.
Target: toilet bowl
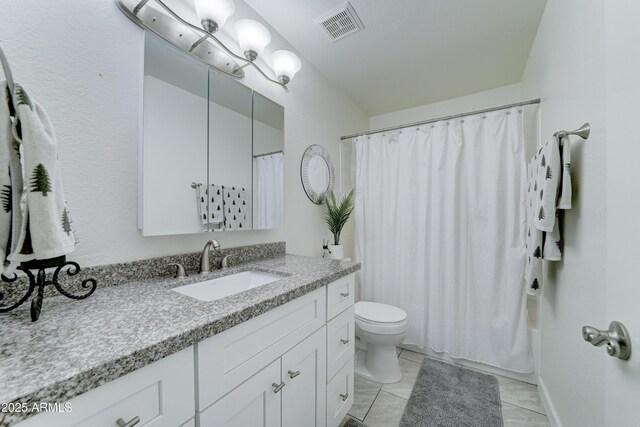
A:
(380, 328)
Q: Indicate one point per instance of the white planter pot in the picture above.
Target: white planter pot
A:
(337, 251)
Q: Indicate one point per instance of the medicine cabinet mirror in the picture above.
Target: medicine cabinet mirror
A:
(211, 151)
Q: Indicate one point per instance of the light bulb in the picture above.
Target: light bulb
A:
(285, 64)
(214, 13)
(253, 37)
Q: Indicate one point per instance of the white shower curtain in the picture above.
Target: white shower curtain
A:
(269, 191)
(440, 223)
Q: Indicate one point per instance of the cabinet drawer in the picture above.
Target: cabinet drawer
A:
(340, 295)
(340, 395)
(340, 341)
(160, 394)
(226, 360)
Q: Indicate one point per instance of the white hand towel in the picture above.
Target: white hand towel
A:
(47, 231)
(201, 195)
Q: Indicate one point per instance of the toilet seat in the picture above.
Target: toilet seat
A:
(380, 319)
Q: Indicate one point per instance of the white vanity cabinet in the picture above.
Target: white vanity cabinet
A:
(289, 367)
(340, 348)
(289, 392)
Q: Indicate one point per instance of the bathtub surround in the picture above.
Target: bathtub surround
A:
(143, 322)
(468, 237)
(145, 269)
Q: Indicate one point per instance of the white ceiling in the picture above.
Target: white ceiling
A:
(412, 52)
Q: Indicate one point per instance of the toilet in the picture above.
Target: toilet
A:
(380, 328)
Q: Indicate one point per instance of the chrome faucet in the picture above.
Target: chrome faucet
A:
(204, 258)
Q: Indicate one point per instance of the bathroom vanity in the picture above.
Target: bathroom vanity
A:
(279, 354)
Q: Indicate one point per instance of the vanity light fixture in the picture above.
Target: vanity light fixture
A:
(253, 37)
(285, 64)
(214, 13)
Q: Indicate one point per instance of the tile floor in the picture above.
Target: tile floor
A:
(379, 405)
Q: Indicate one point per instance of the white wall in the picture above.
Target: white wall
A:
(490, 98)
(566, 69)
(83, 61)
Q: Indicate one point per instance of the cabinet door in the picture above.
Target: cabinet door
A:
(303, 371)
(254, 403)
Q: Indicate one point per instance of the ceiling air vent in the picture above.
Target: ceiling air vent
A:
(340, 22)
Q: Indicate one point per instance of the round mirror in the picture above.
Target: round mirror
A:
(316, 172)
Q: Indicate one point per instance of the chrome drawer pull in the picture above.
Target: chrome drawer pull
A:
(122, 423)
(293, 374)
(344, 341)
(278, 387)
(344, 396)
(344, 294)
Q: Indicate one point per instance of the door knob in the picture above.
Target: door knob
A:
(616, 339)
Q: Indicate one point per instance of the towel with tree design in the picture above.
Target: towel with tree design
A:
(42, 227)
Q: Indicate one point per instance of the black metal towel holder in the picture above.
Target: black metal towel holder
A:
(38, 281)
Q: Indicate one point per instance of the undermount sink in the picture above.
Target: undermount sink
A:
(220, 287)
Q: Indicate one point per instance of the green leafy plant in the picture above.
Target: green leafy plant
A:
(337, 213)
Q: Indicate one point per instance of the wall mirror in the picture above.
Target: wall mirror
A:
(211, 151)
(316, 173)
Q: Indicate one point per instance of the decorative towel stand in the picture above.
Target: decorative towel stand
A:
(38, 281)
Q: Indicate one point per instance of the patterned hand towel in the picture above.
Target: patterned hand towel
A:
(8, 159)
(45, 231)
(216, 200)
(235, 208)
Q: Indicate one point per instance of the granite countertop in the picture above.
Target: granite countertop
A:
(79, 345)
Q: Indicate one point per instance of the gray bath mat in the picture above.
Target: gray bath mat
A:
(446, 395)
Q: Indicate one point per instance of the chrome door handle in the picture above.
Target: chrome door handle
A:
(277, 387)
(133, 421)
(344, 294)
(616, 338)
(293, 374)
(345, 341)
(344, 396)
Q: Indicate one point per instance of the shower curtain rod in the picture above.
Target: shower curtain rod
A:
(439, 119)
(268, 154)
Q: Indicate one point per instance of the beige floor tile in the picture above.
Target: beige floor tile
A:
(515, 416)
(520, 394)
(365, 392)
(386, 411)
(412, 356)
(409, 374)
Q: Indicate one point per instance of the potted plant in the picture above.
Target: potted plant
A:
(337, 213)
